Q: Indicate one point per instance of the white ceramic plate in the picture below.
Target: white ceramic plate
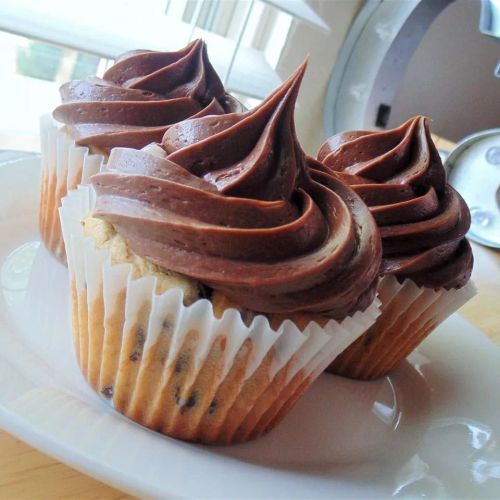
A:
(430, 429)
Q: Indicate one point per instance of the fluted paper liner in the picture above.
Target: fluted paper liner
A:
(408, 314)
(179, 369)
(65, 165)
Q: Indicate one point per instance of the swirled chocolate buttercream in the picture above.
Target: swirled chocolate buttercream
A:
(140, 96)
(422, 219)
(236, 204)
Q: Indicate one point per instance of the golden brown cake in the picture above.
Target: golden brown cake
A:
(218, 275)
(427, 261)
(134, 103)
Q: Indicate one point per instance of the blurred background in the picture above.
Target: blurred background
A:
(373, 63)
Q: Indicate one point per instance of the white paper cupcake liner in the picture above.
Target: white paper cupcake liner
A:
(179, 369)
(64, 166)
(408, 314)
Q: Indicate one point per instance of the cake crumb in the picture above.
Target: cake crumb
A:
(106, 237)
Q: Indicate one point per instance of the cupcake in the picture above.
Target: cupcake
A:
(427, 261)
(217, 275)
(132, 105)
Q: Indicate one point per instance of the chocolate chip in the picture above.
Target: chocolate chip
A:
(190, 403)
(178, 400)
(107, 392)
(141, 337)
(166, 325)
(205, 292)
(182, 362)
(185, 404)
(213, 406)
(247, 316)
(368, 338)
(139, 344)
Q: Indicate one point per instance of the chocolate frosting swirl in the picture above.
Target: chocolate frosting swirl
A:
(237, 205)
(141, 95)
(422, 219)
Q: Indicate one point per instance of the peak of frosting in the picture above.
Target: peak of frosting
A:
(140, 96)
(422, 220)
(237, 205)
(253, 154)
(186, 73)
(404, 155)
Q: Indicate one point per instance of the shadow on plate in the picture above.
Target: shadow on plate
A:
(338, 423)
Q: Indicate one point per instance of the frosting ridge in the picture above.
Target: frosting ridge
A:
(236, 204)
(140, 96)
(422, 219)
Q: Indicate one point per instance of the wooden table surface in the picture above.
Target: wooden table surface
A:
(27, 473)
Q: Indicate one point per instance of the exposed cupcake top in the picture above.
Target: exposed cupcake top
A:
(141, 95)
(237, 205)
(422, 219)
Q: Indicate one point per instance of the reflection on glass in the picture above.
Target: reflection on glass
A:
(480, 217)
(390, 414)
(485, 470)
(413, 480)
(493, 155)
(15, 273)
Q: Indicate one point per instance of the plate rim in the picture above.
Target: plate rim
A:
(77, 459)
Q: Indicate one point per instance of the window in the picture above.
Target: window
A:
(253, 44)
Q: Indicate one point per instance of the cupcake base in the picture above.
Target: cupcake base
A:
(64, 166)
(177, 368)
(408, 314)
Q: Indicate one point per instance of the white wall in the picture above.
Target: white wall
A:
(322, 49)
(450, 77)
